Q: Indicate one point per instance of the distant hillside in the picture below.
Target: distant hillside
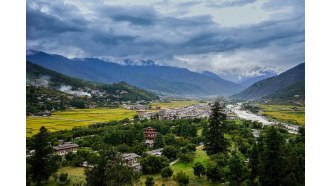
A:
(283, 86)
(161, 79)
(47, 90)
(250, 81)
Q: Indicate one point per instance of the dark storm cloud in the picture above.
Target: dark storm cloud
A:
(137, 15)
(40, 24)
(142, 31)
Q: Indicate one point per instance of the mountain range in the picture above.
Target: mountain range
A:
(287, 85)
(165, 80)
(50, 90)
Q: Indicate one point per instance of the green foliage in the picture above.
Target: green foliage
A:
(181, 178)
(238, 171)
(214, 136)
(170, 152)
(159, 141)
(272, 164)
(186, 157)
(169, 139)
(149, 181)
(108, 170)
(199, 169)
(153, 164)
(63, 179)
(214, 173)
(42, 164)
(166, 172)
(186, 129)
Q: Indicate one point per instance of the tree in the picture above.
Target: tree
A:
(63, 179)
(181, 178)
(199, 169)
(237, 170)
(159, 141)
(170, 152)
(254, 162)
(169, 139)
(153, 164)
(214, 172)
(149, 181)
(138, 148)
(42, 166)
(272, 164)
(186, 157)
(109, 170)
(166, 172)
(214, 136)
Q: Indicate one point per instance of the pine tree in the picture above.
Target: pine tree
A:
(214, 137)
(272, 164)
(41, 163)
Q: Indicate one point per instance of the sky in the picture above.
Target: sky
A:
(235, 39)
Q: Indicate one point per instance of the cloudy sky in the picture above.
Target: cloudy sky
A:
(232, 38)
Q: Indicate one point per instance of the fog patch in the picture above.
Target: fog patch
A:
(68, 89)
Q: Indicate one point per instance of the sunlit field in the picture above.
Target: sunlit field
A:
(285, 113)
(76, 117)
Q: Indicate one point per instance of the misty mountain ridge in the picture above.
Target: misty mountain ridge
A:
(286, 85)
(148, 76)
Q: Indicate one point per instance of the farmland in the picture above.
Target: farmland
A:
(284, 113)
(174, 104)
(62, 120)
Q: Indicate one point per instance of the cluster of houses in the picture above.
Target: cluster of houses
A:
(129, 159)
(200, 110)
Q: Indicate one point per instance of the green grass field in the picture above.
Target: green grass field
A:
(200, 156)
(284, 113)
(174, 104)
(76, 117)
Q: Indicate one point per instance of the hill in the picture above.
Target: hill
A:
(50, 90)
(283, 86)
(160, 79)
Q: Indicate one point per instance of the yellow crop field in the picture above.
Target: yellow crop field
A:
(174, 104)
(76, 117)
(285, 113)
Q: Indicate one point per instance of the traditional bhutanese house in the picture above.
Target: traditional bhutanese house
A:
(65, 148)
(150, 135)
(131, 160)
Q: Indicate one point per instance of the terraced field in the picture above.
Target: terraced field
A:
(75, 117)
(285, 113)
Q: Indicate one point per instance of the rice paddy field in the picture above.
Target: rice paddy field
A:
(285, 113)
(76, 117)
(174, 104)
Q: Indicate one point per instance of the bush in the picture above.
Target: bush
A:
(181, 178)
(199, 169)
(63, 179)
(186, 158)
(153, 164)
(166, 172)
(149, 181)
(170, 152)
